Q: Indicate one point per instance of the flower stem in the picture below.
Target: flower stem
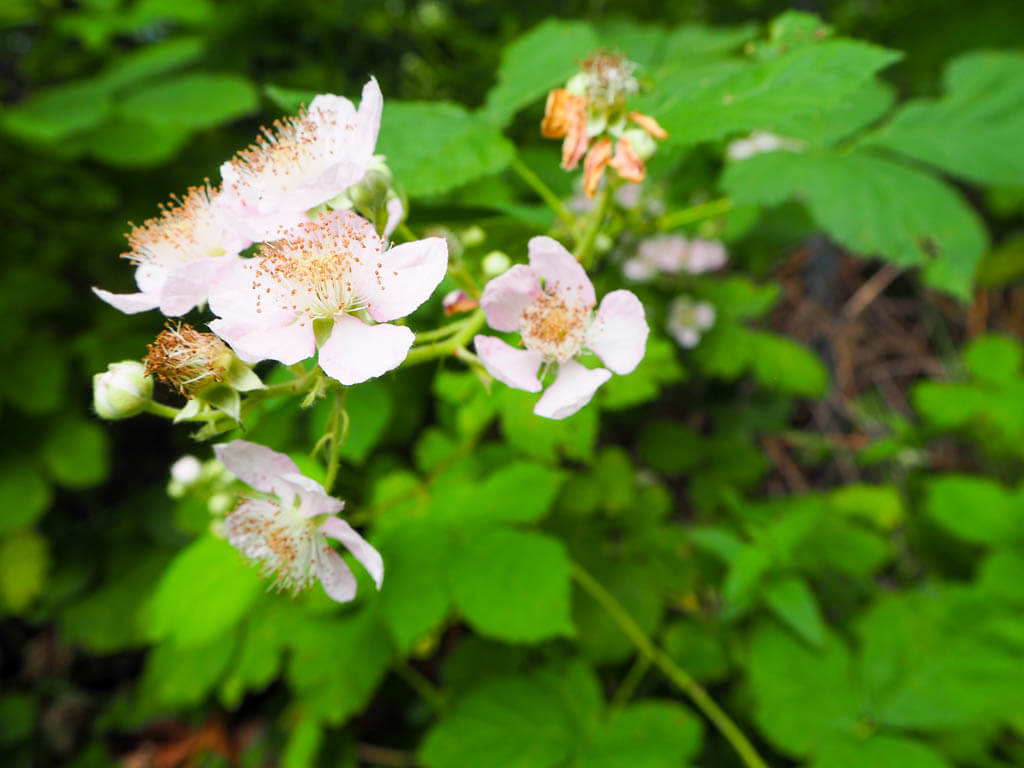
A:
(437, 349)
(629, 685)
(338, 432)
(543, 191)
(585, 249)
(419, 683)
(725, 725)
(407, 234)
(694, 213)
(440, 333)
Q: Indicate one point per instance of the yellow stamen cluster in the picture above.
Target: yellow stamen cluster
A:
(553, 327)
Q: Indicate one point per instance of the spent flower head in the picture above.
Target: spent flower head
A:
(551, 305)
(283, 527)
(310, 289)
(590, 113)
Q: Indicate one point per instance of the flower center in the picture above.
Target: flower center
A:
(187, 230)
(186, 359)
(312, 272)
(553, 328)
(277, 539)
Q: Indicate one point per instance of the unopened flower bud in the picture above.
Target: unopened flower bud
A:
(643, 145)
(186, 470)
(495, 263)
(473, 236)
(122, 391)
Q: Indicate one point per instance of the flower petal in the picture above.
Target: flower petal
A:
(314, 499)
(255, 465)
(355, 351)
(515, 367)
(571, 391)
(561, 272)
(619, 332)
(336, 577)
(254, 340)
(364, 552)
(594, 164)
(129, 303)
(506, 296)
(406, 276)
(189, 285)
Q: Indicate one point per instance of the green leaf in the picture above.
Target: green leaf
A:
(994, 359)
(432, 147)
(972, 132)
(19, 713)
(177, 678)
(204, 592)
(546, 439)
(125, 142)
(779, 94)
(635, 586)
(337, 664)
(303, 744)
(58, 113)
(520, 492)
(415, 596)
(874, 207)
(930, 661)
(777, 362)
(1004, 264)
(647, 734)
(265, 634)
(24, 562)
(370, 406)
(1001, 575)
(975, 509)
(527, 721)
(697, 649)
(879, 751)
(794, 603)
(786, 676)
(512, 585)
(880, 505)
(35, 379)
(199, 100)
(24, 495)
(77, 453)
(669, 447)
(542, 59)
(289, 99)
(658, 368)
(149, 61)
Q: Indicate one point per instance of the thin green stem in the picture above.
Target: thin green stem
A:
(534, 182)
(441, 333)
(748, 754)
(694, 213)
(629, 684)
(437, 349)
(407, 234)
(337, 433)
(585, 249)
(419, 683)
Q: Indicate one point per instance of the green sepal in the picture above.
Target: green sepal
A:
(222, 398)
(190, 411)
(322, 327)
(241, 377)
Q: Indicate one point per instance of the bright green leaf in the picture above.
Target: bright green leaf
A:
(200, 100)
(794, 603)
(24, 495)
(77, 453)
(647, 734)
(24, 562)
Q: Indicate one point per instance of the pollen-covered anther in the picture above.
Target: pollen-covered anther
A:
(186, 359)
(554, 328)
(610, 79)
(188, 229)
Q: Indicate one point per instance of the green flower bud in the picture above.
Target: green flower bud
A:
(495, 263)
(122, 391)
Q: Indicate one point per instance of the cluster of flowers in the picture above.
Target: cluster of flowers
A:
(325, 280)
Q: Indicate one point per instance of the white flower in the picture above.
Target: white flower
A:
(328, 270)
(186, 470)
(179, 254)
(672, 254)
(282, 529)
(551, 304)
(302, 161)
(688, 319)
(761, 142)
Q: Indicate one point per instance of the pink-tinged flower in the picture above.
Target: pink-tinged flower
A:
(302, 161)
(551, 304)
(327, 270)
(672, 254)
(179, 254)
(282, 528)
(688, 320)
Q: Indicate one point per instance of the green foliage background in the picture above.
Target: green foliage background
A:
(851, 604)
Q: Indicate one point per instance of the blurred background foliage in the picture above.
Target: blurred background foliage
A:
(844, 447)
